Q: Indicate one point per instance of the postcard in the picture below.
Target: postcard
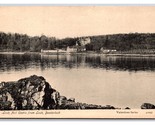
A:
(77, 61)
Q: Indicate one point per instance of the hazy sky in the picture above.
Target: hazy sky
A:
(76, 21)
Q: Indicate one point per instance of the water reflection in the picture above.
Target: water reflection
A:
(19, 62)
(99, 83)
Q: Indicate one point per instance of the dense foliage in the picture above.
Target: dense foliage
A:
(119, 42)
(123, 42)
(23, 42)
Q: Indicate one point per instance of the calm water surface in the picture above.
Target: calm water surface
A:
(96, 79)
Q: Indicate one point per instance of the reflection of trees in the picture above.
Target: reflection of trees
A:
(17, 62)
(122, 63)
(67, 61)
(20, 62)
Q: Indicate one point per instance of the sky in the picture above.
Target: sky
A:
(75, 21)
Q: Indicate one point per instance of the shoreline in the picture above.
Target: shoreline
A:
(35, 93)
(83, 53)
(132, 55)
(19, 53)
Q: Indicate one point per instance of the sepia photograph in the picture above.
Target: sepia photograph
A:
(77, 61)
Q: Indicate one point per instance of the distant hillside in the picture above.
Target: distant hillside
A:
(119, 42)
(124, 42)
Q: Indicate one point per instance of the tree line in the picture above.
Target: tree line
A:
(23, 42)
(123, 42)
(119, 42)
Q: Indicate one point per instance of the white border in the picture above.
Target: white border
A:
(113, 2)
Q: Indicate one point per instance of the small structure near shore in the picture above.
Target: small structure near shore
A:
(53, 51)
(79, 47)
(102, 50)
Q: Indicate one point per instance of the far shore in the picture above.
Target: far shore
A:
(84, 53)
(19, 52)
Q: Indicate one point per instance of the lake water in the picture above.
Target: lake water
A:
(94, 79)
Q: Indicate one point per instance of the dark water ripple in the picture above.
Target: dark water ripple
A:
(17, 62)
